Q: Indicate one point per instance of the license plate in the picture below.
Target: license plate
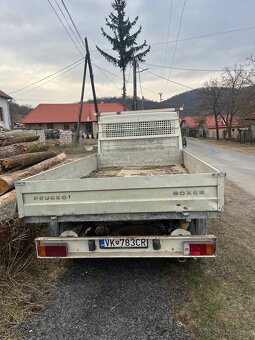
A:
(123, 243)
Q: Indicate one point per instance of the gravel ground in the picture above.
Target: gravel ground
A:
(113, 299)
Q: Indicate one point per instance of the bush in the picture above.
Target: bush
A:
(16, 246)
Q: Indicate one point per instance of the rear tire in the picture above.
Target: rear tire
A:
(198, 227)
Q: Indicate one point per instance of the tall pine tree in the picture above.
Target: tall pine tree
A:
(123, 41)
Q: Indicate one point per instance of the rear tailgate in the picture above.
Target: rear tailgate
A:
(82, 199)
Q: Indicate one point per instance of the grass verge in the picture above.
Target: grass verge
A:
(230, 145)
(221, 292)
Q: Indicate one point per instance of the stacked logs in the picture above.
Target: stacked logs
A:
(22, 155)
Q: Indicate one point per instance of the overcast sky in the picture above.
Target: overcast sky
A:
(34, 45)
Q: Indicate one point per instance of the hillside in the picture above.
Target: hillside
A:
(191, 100)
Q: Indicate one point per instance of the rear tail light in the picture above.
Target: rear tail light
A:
(199, 249)
(51, 250)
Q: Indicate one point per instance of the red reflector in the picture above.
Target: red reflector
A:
(201, 249)
(52, 250)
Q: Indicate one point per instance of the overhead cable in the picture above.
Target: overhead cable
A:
(75, 27)
(168, 34)
(171, 81)
(176, 42)
(56, 13)
(59, 75)
(70, 27)
(49, 76)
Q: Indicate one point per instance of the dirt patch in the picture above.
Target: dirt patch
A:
(221, 292)
(245, 148)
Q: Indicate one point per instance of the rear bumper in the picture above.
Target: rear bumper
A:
(158, 246)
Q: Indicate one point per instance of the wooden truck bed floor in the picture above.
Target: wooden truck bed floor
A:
(128, 171)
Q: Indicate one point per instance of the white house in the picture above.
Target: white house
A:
(5, 118)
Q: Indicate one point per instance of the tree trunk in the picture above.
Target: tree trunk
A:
(7, 198)
(17, 149)
(7, 181)
(12, 139)
(217, 126)
(124, 87)
(23, 161)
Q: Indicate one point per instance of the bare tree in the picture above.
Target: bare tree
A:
(236, 94)
(214, 100)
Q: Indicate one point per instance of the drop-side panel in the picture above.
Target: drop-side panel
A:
(172, 193)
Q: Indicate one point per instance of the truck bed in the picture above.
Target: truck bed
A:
(81, 191)
(128, 171)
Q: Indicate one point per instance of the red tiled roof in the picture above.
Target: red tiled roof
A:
(210, 122)
(192, 122)
(67, 113)
(4, 95)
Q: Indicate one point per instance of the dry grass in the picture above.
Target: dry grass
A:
(231, 145)
(24, 281)
(221, 292)
(75, 150)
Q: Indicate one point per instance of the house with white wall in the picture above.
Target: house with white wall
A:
(5, 117)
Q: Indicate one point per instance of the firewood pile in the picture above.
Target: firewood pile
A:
(66, 137)
(22, 155)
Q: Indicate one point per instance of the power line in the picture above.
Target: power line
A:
(102, 70)
(65, 27)
(205, 35)
(185, 69)
(168, 34)
(176, 42)
(188, 69)
(195, 37)
(171, 81)
(75, 27)
(74, 34)
(115, 75)
(51, 75)
(59, 75)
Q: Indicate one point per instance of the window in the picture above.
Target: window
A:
(50, 126)
(1, 114)
(75, 126)
(66, 126)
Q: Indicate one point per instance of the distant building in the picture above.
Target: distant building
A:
(5, 117)
(192, 126)
(65, 116)
(210, 127)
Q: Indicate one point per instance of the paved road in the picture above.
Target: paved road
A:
(240, 167)
(112, 299)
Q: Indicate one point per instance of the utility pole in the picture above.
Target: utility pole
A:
(92, 82)
(135, 106)
(81, 101)
(91, 76)
(87, 62)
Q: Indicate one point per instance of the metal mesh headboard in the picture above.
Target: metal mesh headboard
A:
(138, 129)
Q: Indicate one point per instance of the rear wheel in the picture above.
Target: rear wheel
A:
(198, 227)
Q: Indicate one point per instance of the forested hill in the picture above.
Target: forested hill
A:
(191, 100)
